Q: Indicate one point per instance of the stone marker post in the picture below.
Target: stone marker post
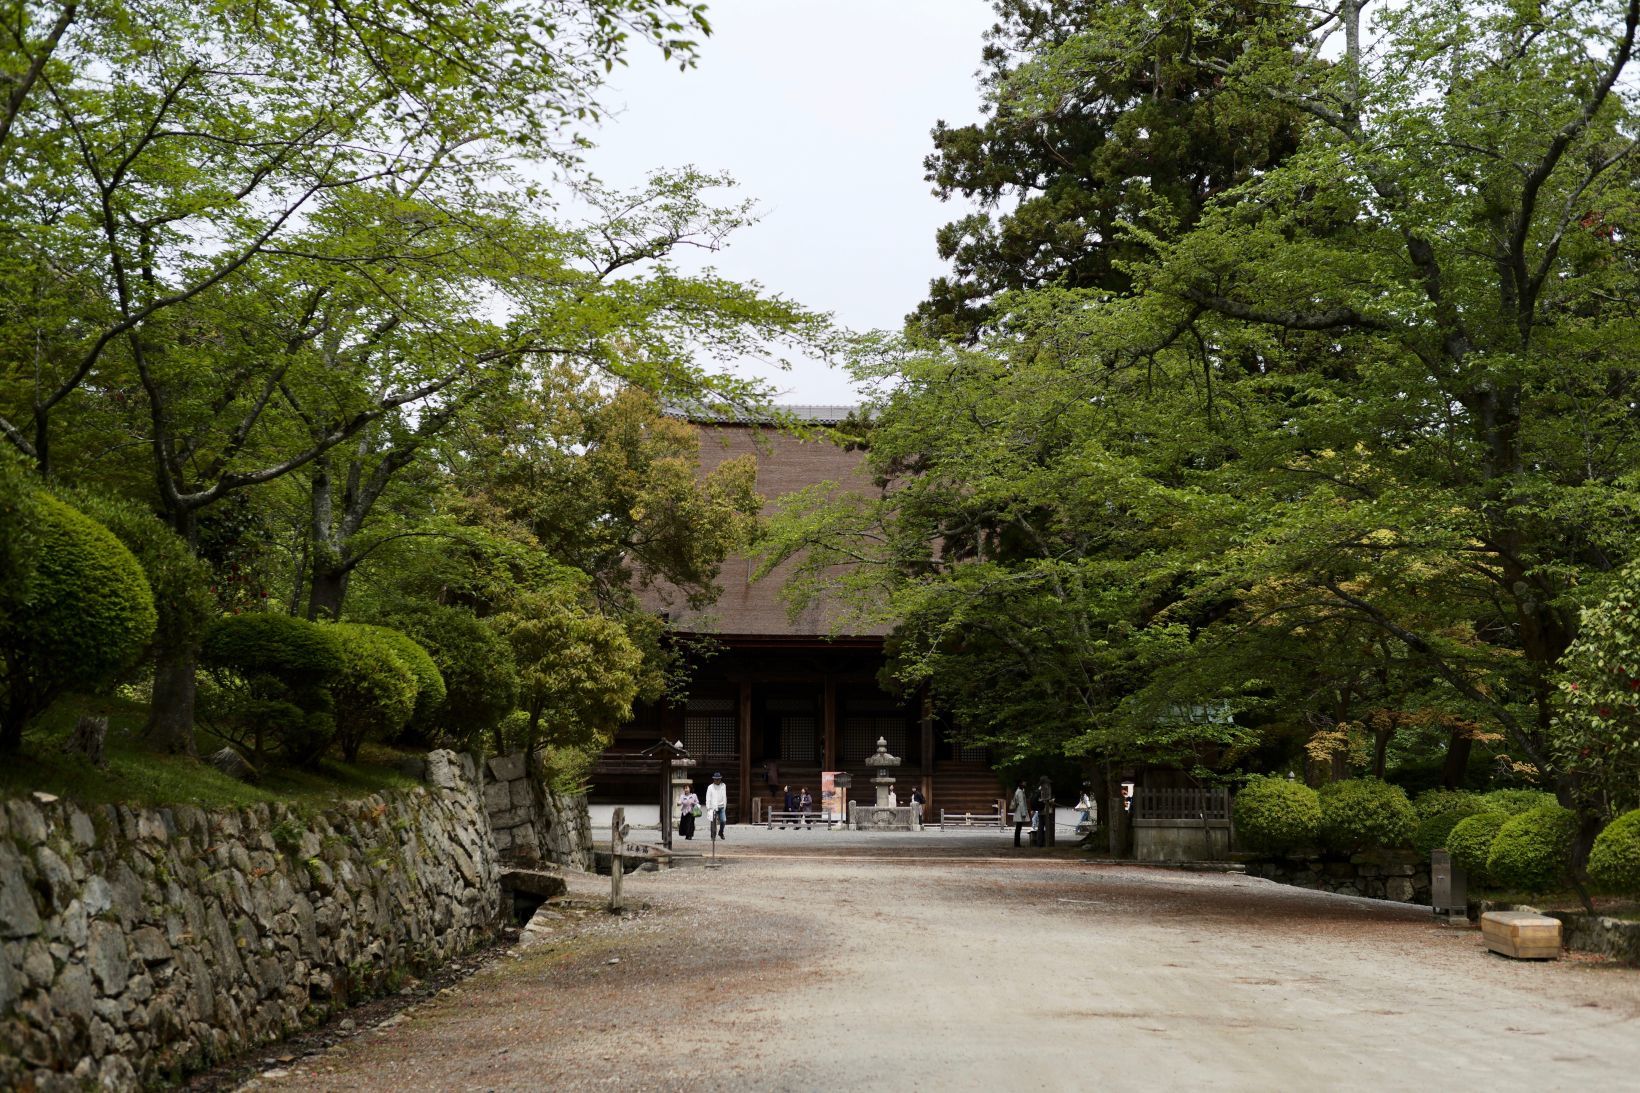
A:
(618, 831)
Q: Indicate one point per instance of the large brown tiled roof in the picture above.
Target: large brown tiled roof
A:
(785, 464)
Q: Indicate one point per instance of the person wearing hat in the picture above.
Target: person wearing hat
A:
(717, 804)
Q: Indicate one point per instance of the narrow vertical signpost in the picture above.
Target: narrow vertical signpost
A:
(618, 832)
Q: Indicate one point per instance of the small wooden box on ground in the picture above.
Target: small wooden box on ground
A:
(1522, 934)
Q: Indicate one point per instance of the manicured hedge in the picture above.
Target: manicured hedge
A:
(1365, 812)
(75, 613)
(181, 582)
(1533, 851)
(277, 664)
(1435, 802)
(375, 691)
(1513, 802)
(480, 678)
(1431, 834)
(1470, 842)
(430, 691)
(1614, 863)
(1274, 815)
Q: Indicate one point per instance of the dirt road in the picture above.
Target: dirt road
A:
(983, 969)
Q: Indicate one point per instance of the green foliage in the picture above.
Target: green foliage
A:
(1435, 802)
(1135, 130)
(374, 693)
(1532, 851)
(578, 672)
(1597, 725)
(476, 664)
(430, 690)
(1513, 802)
(1614, 863)
(1434, 830)
(275, 671)
(181, 582)
(1274, 815)
(1364, 812)
(1470, 842)
(1305, 454)
(75, 613)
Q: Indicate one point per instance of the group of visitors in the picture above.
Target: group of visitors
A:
(1037, 813)
(716, 808)
(800, 801)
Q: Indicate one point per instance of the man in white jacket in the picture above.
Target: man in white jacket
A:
(717, 805)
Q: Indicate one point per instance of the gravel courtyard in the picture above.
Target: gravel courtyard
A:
(813, 960)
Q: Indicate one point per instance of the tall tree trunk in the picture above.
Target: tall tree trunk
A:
(327, 587)
(1455, 767)
(171, 712)
(170, 725)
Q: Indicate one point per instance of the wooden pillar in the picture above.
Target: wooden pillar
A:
(829, 758)
(744, 795)
(927, 725)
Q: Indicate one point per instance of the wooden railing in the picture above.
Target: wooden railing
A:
(1212, 805)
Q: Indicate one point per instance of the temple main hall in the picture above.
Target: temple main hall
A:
(781, 698)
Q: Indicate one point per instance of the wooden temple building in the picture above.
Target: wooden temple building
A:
(782, 699)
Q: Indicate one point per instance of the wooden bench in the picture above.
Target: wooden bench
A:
(806, 820)
(994, 818)
(1522, 934)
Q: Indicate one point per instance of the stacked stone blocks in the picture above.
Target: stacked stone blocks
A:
(136, 943)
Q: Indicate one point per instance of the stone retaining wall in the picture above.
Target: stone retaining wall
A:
(137, 944)
(1392, 876)
(533, 823)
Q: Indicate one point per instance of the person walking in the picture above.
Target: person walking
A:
(717, 806)
(791, 800)
(917, 802)
(1022, 811)
(1089, 810)
(688, 805)
(804, 801)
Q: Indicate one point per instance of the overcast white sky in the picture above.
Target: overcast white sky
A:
(821, 110)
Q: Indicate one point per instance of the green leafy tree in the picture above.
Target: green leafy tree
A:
(578, 673)
(1138, 130)
(1597, 727)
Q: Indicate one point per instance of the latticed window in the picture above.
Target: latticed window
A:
(797, 728)
(974, 753)
(709, 726)
(861, 731)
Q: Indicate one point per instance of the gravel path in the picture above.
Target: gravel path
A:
(962, 964)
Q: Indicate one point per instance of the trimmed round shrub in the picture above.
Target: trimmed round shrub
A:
(1533, 851)
(1513, 802)
(77, 613)
(1614, 863)
(1470, 842)
(1365, 812)
(430, 691)
(1274, 815)
(180, 580)
(480, 677)
(1431, 833)
(375, 692)
(267, 658)
(1434, 802)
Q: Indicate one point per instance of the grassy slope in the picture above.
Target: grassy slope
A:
(137, 776)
